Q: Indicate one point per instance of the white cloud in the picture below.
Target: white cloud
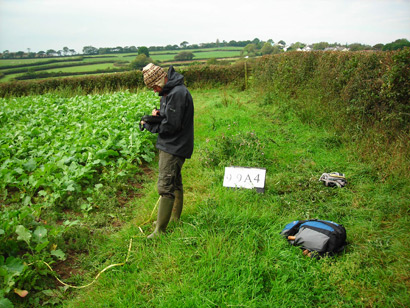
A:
(45, 24)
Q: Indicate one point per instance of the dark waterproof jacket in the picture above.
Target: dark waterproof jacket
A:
(176, 131)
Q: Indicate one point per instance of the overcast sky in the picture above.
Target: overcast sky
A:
(52, 24)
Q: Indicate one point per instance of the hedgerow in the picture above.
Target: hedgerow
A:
(194, 76)
(358, 85)
(213, 75)
(37, 75)
(44, 62)
(34, 69)
(85, 84)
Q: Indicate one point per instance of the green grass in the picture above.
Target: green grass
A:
(203, 54)
(85, 68)
(196, 50)
(228, 252)
(28, 61)
(9, 77)
(163, 57)
(217, 54)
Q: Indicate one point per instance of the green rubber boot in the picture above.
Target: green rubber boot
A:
(178, 205)
(164, 214)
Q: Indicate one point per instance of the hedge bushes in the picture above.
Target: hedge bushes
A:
(84, 85)
(39, 75)
(194, 76)
(362, 85)
(213, 75)
(35, 69)
(44, 62)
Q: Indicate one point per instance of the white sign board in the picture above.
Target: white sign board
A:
(244, 177)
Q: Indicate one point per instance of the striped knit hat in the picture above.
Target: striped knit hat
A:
(153, 75)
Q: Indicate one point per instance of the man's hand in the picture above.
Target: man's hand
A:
(155, 112)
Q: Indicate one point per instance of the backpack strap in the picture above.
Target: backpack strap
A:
(294, 229)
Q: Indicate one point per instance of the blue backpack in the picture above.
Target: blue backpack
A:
(318, 236)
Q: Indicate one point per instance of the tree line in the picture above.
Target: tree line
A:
(264, 48)
(91, 50)
(251, 47)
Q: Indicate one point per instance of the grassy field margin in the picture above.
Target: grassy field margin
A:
(228, 252)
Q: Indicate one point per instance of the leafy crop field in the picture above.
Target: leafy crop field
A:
(54, 149)
(51, 144)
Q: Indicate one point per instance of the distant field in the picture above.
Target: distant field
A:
(4, 62)
(217, 54)
(197, 50)
(9, 77)
(13, 68)
(86, 68)
(163, 57)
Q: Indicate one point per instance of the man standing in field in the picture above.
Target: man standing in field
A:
(175, 140)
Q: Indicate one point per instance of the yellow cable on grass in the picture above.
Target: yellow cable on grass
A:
(150, 216)
(108, 267)
(96, 277)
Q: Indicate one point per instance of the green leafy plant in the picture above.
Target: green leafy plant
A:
(54, 148)
(24, 248)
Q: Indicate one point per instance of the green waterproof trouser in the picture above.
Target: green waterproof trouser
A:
(169, 179)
